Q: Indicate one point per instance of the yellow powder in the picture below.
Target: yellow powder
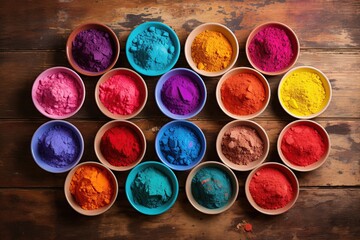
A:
(211, 51)
(303, 93)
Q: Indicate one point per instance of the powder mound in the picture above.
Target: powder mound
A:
(242, 145)
(180, 94)
(211, 187)
(151, 188)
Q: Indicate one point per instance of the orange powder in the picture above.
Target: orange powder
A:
(243, 94)
(91, 187)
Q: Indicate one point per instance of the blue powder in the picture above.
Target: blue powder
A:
(59, 147)
(180, 145)
(153, 49)
(151, 188)
(211, 187)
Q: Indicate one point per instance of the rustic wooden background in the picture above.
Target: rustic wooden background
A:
(33, 37)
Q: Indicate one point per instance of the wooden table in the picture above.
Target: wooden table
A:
(33, 37)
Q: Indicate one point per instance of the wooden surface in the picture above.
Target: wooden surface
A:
(33, 37)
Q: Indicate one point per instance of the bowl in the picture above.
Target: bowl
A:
(57, 146)
(152, 48)
(252, 109)
(195, 202)
(215, 27)
(82, 57)
(58, 93)
(121, 138)
(306, 150)
(245, 140)
(309, 85)
(180, 145)
(100, 169)
(277, 170)
(154, 170)
(119, 99)
(180, 93)
(269, 51)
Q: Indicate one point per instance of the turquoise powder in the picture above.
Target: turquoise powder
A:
(211, 187)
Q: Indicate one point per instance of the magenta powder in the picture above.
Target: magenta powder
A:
(59, 94)
(180, 94)
(271, 49)
(93, 50)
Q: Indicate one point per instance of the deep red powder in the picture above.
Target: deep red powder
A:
(120, 146)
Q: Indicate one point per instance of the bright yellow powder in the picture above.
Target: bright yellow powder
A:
(303, 93)
(211, 51)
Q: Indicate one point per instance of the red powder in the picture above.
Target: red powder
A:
(302, 145)
(120, 146)
(270, 188)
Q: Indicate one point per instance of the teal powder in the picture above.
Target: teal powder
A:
(211, 187)
(151, 188)
(152, 49)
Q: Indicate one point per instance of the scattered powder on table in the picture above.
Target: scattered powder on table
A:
(303, 93)
(120, 94)
(120, 146)
(270, 188)
(153, 49)
(242, 145)
(93, 50)
(59, 146)
(91, 187)
(59, 94)
(243, 94)
(180, 145)
(211, 51)
(271, 49)
(180, 94)
(211, 187)
(302, 145)
(151, 188)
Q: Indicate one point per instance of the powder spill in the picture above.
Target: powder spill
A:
(59, 94)
(242, 145)
(211, 187)
(151, 188)
(180, 94)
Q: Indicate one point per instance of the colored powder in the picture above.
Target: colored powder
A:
(242, 145)
(243, 94)
(153, 49)
(180, 94)
(270, 188)
(303, 93)
(151, 188)
(271, 49)
(120, 94)
(93, 50)
(211, 51)
(302, 145)
(120, 146)
(91, 187)
(59, 146)
(180, 145)
(211, 187)
(59, 94)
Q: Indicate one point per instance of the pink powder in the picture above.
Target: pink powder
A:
(59, 94)
(120, 94)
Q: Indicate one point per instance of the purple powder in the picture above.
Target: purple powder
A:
(59, 146)
(180, 94)
(93, 50)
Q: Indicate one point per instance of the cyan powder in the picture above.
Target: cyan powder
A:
(211, 187)
(180, 145)
(151, 188)
(59, 146)
(152, 49)
(180, 94)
